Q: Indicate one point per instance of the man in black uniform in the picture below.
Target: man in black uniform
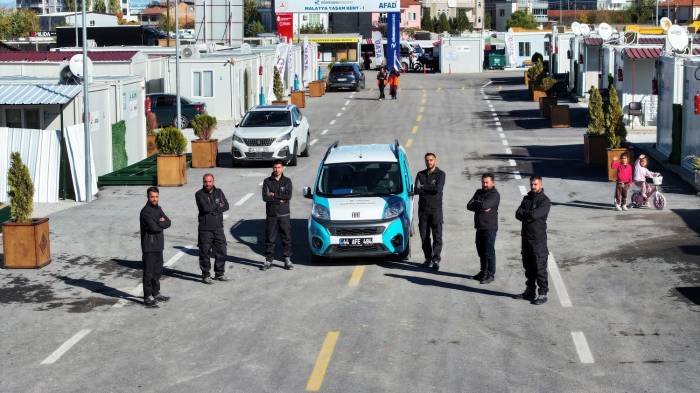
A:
(212, 204)
(429, 185)
(533, 212)
(277, 192)
(484, 204)
(152, 222)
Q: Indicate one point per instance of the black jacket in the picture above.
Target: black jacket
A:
(429, 189)
(152, 228)
(533, 212)
(277, 205)
(481, 201)
(211, 209)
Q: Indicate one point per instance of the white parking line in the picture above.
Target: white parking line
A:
(504, 142)
(498, 123)
(324, 131)
(511, 162)
(523, 190)
(500, 129)
(244, 199)
(488, 102)
(332, 122)
(313, 142)
(177, 256)
(347, 102)
(343, 108)
(487, 83)
(582, 349)
(338, 114)
(516, 175)
(66, 346)
(508, 151)
(558, 282)
(260, 184)
(502, 135)
(494, 114)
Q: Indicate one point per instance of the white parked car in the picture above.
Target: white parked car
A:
(268, 132)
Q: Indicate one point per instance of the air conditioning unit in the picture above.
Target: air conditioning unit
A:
(211, 47)
(189, 52)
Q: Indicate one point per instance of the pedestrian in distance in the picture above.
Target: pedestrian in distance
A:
(211, 240)
(624, 179)
(381, 81)
(152, 222)
(484, 204)
(393, 84)
(277, 192)
(429, 185)
(533, 212)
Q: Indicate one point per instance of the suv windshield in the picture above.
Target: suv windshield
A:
(342, 68)
(360, 179)
(266, 119)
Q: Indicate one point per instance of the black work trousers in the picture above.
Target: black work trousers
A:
(381, 89)
(275, 225)
(212, 243)
(152, 270)
(430, 223)
(535, 257)
(486, 248)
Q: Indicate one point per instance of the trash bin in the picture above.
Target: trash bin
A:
(496, 61)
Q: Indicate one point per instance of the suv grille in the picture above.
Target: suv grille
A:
(259, 141)
(357, 231)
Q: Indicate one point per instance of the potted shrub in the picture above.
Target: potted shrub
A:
(278, 88)
(151, 126)
(26, 243)
(204, 149)
(615, 133)
(171, 164)
(534, 75)
(594, 141)
(550, 99)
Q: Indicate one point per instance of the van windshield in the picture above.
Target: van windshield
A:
(354, 179)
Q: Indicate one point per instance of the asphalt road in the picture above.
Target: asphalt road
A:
(623, 317)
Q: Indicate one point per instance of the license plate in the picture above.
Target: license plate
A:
(356, 242)
(258, 149)
(342, 79)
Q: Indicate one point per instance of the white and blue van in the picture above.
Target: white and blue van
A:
(362, 202)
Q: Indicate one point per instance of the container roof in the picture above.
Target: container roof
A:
(642, 53)
(593, 41)
(106, 56)
(38, 94)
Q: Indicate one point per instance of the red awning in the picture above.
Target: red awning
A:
(642, 53)
(593, 41)
(651, 40)
(696, 51)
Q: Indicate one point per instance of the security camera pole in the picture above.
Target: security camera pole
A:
(86, 116)
(177, 65)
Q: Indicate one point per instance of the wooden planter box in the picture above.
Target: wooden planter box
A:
(612, 173)
(316, 89)
(299, 99)
(171, 169)
(559, 116)
(26, 246)
(545, 106)
(594, 150)
(204, 153)
(279, 102)
(151, 147)
(537, 94)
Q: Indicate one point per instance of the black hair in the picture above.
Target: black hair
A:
(536, 177)
(277, 161)
(152, 189)
(430, 154)
(488, 174)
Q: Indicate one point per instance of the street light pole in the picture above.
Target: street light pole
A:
(177, 64)
(86, 115)
(75, 22)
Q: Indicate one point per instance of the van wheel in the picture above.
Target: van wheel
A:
(293, 160)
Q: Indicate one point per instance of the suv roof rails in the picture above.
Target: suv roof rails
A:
(331, 147)
(396, 148)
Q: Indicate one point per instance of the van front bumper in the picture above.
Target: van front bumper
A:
(388, 237)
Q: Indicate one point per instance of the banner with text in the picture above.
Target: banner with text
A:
(393, 41)
(285, 26)
(337, 6)
(378, 47)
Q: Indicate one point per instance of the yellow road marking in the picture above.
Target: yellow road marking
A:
(423, 101)
(324, 357)
(414, 130)
(356, 276)
(422, 109)
(419, 118)
(439, 88)
(409, 142)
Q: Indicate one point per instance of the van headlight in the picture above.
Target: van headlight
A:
(320, 212)
(284, 137)
(238, 139)
(393, 210)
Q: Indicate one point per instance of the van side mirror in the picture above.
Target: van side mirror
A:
(411, 191)
(307, 193)
(238, 125)
(297, 123)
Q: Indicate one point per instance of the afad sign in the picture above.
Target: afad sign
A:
(337, 6)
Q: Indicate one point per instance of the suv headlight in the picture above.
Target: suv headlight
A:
(393, 210)
(238, 139)
(284, 137)
(321, 212)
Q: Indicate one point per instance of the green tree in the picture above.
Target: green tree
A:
(460, 23)
(443, 24)
(4, 25)
(487, 21)
(254, 28)
(115, 7)
(252, 23)
(522, 19)
(596, 116)
(642, 11)
(277, 86)
(21, 22)
(100, 7)
(70, 5)
(312, 29)
(21, 189)
(426, 22)
(615, 130)
(165, 23)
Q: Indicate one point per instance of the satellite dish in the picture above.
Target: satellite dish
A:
(66, 77)
(665, 23)
(677, 37)
(605, 31)
(585, 29)
(76, 65)
(576, 28)
(452, 3)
